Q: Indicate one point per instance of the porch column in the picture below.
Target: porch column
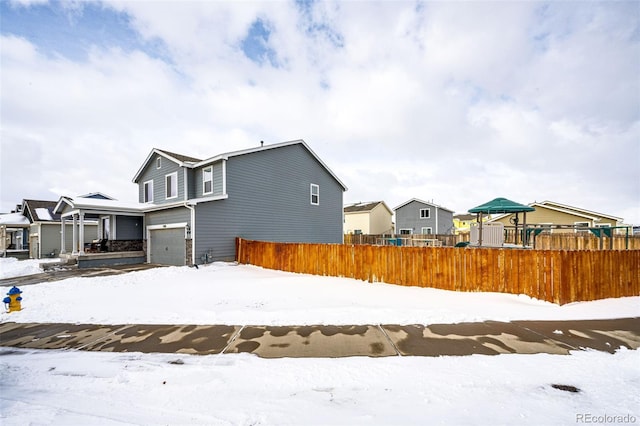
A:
(81, 233)
(63, 249)
(75, 235)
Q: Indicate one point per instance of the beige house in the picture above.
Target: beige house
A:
(372, 218)
(550, 213)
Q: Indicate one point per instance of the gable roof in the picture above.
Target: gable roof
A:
(423, 202)
(191, 162)
(180, 159)
(365, 207)
(97, 195)
(501, 205)
(40, 211)
(574, 210)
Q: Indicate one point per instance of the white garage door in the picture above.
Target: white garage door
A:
(167, 247)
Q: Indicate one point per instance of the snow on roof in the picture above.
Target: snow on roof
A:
(43, 213)
(113, 204)
(13, 219)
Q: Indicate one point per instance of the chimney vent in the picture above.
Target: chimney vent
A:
(261, 143)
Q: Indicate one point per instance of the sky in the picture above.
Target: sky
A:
(451, 102)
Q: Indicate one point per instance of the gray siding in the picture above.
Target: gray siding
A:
(158, 176)
(269, 199)
(198, 185)
(175, 215)
(129, 228)
(408, 217)
(191, 183)
(50, 238)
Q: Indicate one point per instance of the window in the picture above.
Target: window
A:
(207, 180)
(172, 185)
(148, 191)
(406, 231)
(426, 230)
(158, 162)
(603, 225)
(315, 194)
(581, 225)
(425, 213)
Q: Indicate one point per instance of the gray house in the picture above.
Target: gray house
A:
(194, 209)
(421, 217)
(44, 232)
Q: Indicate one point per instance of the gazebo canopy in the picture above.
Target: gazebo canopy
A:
(501, 205)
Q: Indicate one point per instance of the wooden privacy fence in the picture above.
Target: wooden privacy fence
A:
(556, 276)
(544, 241)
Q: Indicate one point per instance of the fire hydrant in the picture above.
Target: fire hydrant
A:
(12, 303)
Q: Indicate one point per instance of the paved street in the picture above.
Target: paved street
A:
(486, 338)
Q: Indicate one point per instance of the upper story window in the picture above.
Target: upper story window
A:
(425, 213)
(172, 185)
(158, 162)
(148, 191)
(315, 194)
(207, 180)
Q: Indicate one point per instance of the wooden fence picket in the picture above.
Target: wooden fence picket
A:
(558, 276)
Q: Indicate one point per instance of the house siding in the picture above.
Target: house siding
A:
(128, 228)
(217, 180)
(164, 217)
(548, 216)
(269, 199)
(159, 182)
(408, 217)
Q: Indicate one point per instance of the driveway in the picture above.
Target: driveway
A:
(71, 272)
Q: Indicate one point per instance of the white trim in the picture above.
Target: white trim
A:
(158, 162)
(428, 228)
(144, 191)
(195, 201)
(428, 216)
(317, 194)
(163, 226)
(167, 188)
(405, 229)
(204, 182)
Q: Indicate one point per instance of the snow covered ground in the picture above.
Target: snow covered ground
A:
(74, 387)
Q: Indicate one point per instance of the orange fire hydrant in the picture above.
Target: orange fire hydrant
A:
(13, 302)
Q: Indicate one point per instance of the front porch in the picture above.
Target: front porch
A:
(94, 260)
(119, 239)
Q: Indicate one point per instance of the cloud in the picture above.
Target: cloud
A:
(455, 102)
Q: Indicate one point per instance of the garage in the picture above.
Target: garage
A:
(167, 246)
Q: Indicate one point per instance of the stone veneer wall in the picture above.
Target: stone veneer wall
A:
(125, 245)
(189, 252)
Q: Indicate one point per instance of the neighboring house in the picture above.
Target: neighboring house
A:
(421, 217)
(45, 232)
(372, 218)
(548, 213)
(462, 222)
(14, 234)
(194, 209)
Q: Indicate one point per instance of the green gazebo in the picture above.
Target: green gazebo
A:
(500, 206)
